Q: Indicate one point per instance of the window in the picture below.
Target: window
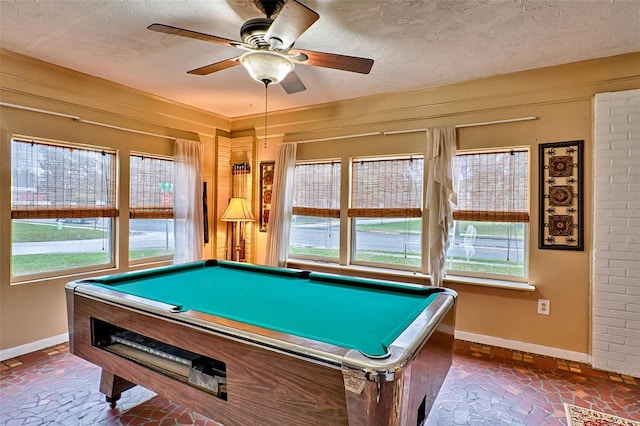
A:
(315, 224)
(150, 208)
(489, 236)
(386, 213)
(62, 207)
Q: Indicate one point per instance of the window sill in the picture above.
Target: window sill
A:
(88, 273)
(150, 263)
(62, 275)
(405, 276)
(488, 282)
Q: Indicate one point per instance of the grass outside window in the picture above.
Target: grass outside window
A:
(51, 231)
(494, 233)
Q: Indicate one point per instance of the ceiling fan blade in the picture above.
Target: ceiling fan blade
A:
(332, 60)
(294, 19)
(218, 66)
(292, 83)
(168, 29)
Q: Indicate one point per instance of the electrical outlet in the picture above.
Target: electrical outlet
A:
(544, 306)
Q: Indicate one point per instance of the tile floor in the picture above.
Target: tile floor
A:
(485, 386)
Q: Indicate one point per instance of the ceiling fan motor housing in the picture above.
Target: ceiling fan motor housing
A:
(253, 31)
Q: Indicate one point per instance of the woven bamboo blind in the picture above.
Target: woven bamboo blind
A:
(317, 189)
(493, 186)
(389, 187)
(57, 181)
(151, 195)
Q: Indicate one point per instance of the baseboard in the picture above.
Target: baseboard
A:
(524, 347)
(33, 346)
(461, 335)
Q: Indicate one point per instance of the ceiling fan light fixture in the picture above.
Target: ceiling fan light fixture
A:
(267, 65)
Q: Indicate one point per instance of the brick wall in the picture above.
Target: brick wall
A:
(616, 236)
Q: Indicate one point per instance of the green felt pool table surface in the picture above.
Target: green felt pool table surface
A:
(360, 314)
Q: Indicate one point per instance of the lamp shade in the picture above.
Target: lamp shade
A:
(238, 211)
(267, 65)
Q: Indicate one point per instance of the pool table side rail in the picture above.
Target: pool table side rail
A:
(170, 269)
(151, 272)
(395, 286)
(87, 288)
(401, 350)
(289, 344)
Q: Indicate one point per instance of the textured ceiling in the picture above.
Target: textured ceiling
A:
(414, 43)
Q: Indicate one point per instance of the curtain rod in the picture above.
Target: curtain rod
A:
(96, 123)
(398, 132)
(44, 111)
(80, 120)
(459, 126)
(333, 138)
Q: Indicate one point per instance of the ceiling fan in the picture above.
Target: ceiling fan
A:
(268, 43)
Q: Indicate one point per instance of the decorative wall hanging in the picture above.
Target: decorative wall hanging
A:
(561, 196)
(266, 185)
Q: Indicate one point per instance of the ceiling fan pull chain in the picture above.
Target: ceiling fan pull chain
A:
(266, 86)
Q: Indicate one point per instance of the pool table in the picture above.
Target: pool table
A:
(252, 345)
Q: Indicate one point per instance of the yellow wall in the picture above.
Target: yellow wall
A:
(560, 97)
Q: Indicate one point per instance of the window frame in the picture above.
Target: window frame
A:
(328, 213)
(108, 214)
(525, 223)
(347, 225)
(410, 213)
(131, 212)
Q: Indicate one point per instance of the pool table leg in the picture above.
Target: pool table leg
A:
(113, 386)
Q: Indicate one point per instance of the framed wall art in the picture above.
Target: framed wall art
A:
(266, 185)
(561, 201)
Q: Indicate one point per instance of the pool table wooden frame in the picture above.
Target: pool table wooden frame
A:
(273, 378)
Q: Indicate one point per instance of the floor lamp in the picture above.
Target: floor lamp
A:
(238, 211)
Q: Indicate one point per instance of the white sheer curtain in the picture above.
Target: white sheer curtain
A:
(278, 229)
(187, 208)
(441, 196)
